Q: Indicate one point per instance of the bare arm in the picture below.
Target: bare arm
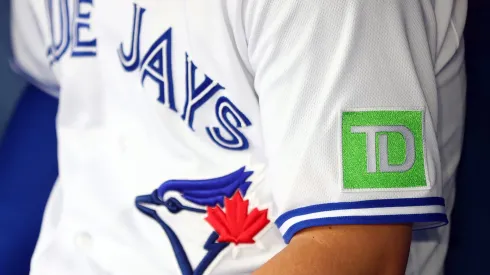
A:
(344, 250)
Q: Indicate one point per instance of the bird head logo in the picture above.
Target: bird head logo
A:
(222, 199)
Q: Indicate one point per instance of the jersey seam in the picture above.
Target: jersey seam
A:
(455, 31)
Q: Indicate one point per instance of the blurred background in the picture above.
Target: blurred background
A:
(28, 165)
(28, 157)
(11, 83)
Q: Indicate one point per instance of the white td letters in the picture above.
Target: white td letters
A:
(384, 165)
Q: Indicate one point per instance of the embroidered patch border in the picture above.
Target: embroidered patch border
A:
(383, 150)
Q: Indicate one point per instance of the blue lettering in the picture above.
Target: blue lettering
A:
(130, 61)
(231, 119)
(157, 64)
(156, 67)
(60, 38)
(196, 97)
(62, 28)
(81, 22)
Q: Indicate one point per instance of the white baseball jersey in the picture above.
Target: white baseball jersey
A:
(198, 136)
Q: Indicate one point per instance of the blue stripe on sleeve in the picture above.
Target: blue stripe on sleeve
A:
(359, 205)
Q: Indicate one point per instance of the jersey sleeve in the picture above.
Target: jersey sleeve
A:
(29, 37)
(349, 108)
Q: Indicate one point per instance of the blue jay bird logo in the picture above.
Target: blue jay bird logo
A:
(237, 225)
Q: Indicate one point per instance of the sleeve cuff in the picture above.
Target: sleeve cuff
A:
(423, 212)
(50, 89)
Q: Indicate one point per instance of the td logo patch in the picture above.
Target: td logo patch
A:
(383, 150)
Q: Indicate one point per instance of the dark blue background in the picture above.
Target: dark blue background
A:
(28, 169)
(470, 239)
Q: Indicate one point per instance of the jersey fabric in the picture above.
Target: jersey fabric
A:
(197, 137)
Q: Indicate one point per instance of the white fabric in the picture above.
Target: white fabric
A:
(29, 39)
(213, 86)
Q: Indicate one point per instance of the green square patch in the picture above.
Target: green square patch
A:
(383, 150)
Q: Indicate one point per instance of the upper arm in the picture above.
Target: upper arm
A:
(349, 110)
(30, 35)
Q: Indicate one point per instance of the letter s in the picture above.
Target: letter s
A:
(231, 119)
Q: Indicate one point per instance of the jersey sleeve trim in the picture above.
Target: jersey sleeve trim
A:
(50, 89)
(423, 212)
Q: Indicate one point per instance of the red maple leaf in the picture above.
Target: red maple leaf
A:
(236, 225)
